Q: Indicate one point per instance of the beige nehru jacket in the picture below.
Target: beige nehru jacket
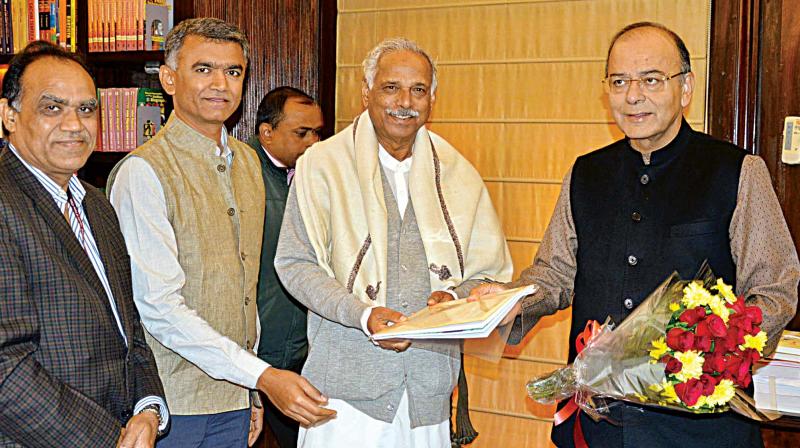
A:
(217, 215)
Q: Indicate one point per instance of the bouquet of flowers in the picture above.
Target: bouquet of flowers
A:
(688, 346)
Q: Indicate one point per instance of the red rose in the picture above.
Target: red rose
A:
(743, 374)
(751, 355)
(734, 337)
(708, 382)
(716, 325)
(741, 321)
(714, 363)
(689, 391)
(692, 316)
(702, 343)
(702, 328)
(738, 306)
(734, 365)
(673, 365)
(680, 340)
(754, 314)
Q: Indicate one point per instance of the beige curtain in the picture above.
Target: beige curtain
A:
(520, 95)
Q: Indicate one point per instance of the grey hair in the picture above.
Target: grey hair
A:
(206, 27)
(392, 45)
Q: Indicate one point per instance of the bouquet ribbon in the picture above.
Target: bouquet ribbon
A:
(592, 327)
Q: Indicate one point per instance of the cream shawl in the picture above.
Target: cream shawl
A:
(340, 197)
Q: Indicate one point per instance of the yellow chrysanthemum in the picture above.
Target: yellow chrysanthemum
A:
(723, 392)
(718, 307)
(674, 306)
(640, 397)
(692, 365)
(659, 348)
(695, 295)
(655, 388)
(701, 401)
(756, 342)
(726, 291)
(668, 392)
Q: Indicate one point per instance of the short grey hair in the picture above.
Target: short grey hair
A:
(392, 45)
(206, 27)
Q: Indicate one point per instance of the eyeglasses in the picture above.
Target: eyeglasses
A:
(650, 83)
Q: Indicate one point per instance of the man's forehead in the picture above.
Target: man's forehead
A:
(217, 52)
(402, 63)
(645, 47)
(46, 79)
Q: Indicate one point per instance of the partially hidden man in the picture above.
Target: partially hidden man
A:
(191, 206)
(288, 121)
(663, 199)
(75, 369)
(380, 219)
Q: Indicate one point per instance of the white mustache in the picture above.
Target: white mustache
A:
(403, 113)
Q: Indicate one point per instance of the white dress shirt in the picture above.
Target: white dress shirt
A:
(158, 278)
(83, 232)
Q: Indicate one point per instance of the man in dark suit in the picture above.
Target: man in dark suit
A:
(288, 122)
(74, 366)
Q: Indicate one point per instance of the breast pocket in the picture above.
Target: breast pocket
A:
(696, 228)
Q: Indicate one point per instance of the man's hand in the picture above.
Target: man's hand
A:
(439, 297)
(256, 423)
(294, 396)
(140, 432)
(379, 318)
(490, 288)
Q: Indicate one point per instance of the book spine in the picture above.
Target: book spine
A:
(62, 23)
(73, 27)
(30, 10)
(44, 18)
(3, 35)
(54, 23)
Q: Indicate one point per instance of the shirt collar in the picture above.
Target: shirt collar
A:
(272, 159)
(391, 163)
(225, 150)
(59, 195)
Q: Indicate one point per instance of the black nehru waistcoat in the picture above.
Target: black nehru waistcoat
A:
(636, 224)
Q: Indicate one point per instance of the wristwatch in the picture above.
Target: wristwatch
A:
(155, 409)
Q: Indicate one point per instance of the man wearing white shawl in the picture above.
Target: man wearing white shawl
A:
(383, 219)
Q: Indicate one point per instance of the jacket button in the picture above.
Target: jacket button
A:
(636, 216)
(231, 212)
(243, 255)
(221, 168)
(628, 303)
(404, 304)
(645, 179)
(632, 260)
(247, 300)
(390, 407)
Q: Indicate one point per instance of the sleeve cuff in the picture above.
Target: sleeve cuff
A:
(162, 409)
(251, 366)
(364, 318)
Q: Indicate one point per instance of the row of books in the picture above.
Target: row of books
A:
(24, 21)
(776, 381)
(125, 25)
(129, 117)
(113, 25)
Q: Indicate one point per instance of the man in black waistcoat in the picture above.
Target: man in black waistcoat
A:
(288, 122)
(663, 199)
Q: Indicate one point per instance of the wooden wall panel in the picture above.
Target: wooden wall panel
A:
(520, 103)
(285, 48)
